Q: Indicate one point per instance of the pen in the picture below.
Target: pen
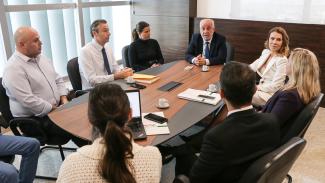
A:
(161, 126)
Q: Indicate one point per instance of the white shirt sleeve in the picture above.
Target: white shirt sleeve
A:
(88, 68)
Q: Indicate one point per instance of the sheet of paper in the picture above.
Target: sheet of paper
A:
(154, 128)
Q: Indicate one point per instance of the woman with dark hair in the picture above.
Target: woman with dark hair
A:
(113, 157)
(271, 66)
(144, 52)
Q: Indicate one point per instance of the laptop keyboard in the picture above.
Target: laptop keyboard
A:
(137, 130)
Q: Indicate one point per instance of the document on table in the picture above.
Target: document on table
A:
(154, 128)
(200, 96)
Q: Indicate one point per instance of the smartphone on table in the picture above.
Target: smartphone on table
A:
(139, 86)
(155, 118)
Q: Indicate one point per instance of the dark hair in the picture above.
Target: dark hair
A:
(238, 83)
(95, 24)
(284, 49)
(108, 111)
(138, 29)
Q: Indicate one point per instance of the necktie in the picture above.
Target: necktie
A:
(206, 50)
(106, 64)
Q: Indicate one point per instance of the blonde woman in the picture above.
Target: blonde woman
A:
(303, 86)
(271, 66)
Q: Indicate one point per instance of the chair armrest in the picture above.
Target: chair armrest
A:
(181, 179)
(29, 127)
(78, 93)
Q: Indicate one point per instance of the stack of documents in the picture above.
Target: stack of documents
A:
(200, 96)
(145, 78)
(154, 128)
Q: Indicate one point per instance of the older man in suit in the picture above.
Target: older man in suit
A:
(208, 47)
(230, 147)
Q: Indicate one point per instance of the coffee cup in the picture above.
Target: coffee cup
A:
(162, 102)
(130, 79)
(205, 68)
(212, 88)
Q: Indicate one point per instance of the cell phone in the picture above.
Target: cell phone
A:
(136, 85)
(206, 96)
(156, 118)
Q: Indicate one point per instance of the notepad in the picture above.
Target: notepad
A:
(200, 96)
(154, 128)
(145, 78)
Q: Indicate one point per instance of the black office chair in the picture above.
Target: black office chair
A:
(274, 166)
(230, 52)
(271, 167)
(302, 122)
(125, 56)
(74, 76)
(20, 125)
(4, 123)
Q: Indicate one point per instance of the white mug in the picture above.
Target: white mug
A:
(162, 102)
(212, 88)
(205, 68)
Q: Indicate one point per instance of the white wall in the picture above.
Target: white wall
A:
(295, 11)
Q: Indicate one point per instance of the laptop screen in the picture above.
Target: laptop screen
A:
(135, 104)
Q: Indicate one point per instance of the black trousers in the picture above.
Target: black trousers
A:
(47, 132)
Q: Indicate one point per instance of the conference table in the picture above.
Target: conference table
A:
(182, 114)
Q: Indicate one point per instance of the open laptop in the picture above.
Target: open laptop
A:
(136, 125)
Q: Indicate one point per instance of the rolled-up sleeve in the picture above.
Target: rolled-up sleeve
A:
(61, 86)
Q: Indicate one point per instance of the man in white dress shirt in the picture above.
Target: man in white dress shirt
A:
(32, 85)
(96, 62)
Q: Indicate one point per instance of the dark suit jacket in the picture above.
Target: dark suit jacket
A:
(229, 148)
(286, 105)
(218, 49)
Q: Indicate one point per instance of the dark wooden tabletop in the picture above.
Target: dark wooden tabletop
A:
(182, 114)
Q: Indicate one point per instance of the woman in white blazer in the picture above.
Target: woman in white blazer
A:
(271, 66)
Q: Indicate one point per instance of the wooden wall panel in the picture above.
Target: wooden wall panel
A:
(170, 32)
(161, 7)
(248, 38)
(169, 22)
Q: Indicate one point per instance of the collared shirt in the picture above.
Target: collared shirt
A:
(239, 110)
(91, 64)
(32, 85)
(207, 61)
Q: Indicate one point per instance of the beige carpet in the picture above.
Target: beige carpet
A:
(310, 166)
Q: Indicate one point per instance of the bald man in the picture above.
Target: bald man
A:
(207, 47)
(32, 85)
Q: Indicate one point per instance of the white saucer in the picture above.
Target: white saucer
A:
(130, 82)
(205, 70)
(215, 91)
(162, 107)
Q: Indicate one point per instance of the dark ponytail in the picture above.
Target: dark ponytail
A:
(138, 29)
(118, 150)
(108, 111)
(135, 35)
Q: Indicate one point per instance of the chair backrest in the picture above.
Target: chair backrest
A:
(4, 107)
(74, 74)
(125, 57)
(230, 52)
(301, 123)
(275, 165)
